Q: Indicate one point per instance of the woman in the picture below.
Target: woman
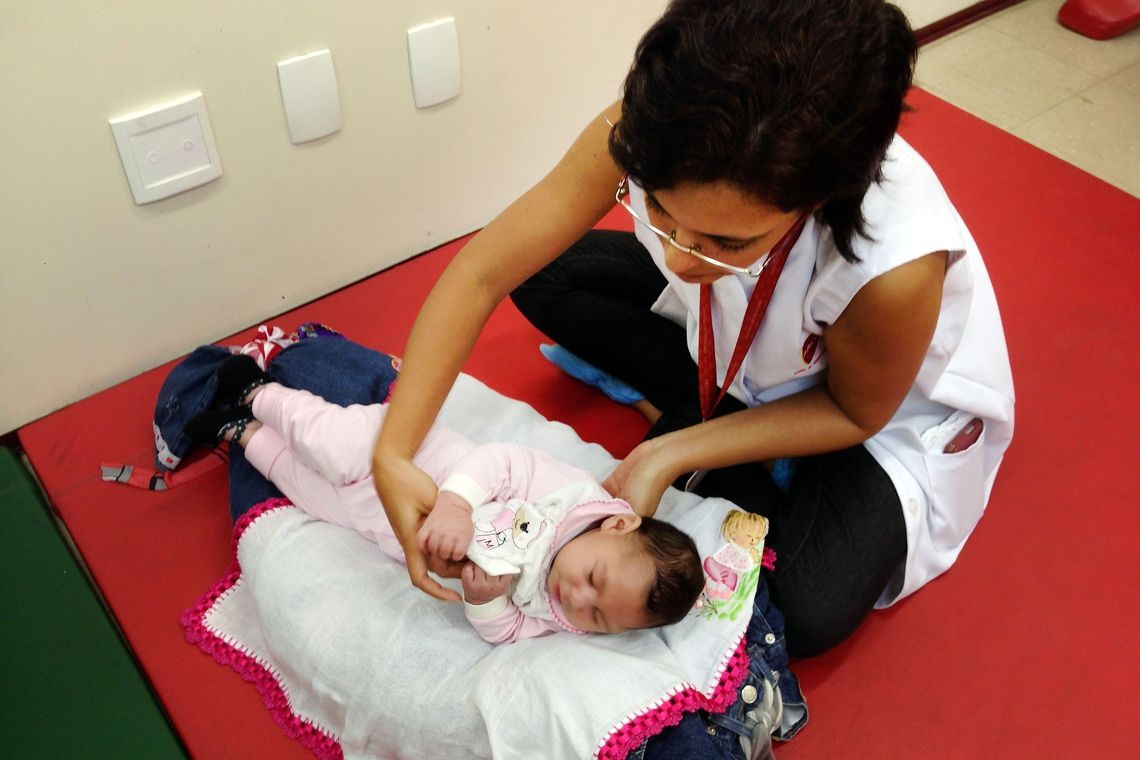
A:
(790, 248)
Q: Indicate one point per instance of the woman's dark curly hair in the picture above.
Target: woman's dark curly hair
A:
(794, 102)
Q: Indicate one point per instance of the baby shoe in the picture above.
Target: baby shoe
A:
(210, 426)
(237, 376)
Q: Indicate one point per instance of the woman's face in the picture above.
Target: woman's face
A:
(728, 225)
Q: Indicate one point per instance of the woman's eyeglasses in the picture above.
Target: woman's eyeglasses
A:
(622, 198)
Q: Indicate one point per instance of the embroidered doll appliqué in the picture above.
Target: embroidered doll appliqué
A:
(732, 571)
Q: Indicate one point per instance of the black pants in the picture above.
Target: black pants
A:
(839, 533)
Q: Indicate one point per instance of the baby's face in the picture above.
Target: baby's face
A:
(602, 580)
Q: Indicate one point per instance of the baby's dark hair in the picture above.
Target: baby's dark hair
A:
(679, 575)
(792, 101)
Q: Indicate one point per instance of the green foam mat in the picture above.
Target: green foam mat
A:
(69, 683)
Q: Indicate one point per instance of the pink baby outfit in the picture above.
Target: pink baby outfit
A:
(526, 504)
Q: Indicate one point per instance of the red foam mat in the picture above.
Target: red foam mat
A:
(1025, 648)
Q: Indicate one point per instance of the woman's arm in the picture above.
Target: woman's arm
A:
(533, 231)
(875, 349)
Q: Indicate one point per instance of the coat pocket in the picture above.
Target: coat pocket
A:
(957, 493)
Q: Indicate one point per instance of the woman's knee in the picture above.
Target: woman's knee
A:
(812, 628)
(605, 262)
(825, 596)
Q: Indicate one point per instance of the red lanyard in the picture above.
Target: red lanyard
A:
(753, 316)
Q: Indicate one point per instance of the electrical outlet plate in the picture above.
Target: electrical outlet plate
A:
(167, 150)
(309, 93)
(433, 57)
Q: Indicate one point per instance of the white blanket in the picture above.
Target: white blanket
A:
(351, 658)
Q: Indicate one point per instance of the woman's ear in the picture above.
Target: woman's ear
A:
(623, 523)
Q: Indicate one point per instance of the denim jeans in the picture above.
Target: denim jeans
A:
(334, 368)
(838, 532)
(703, 735)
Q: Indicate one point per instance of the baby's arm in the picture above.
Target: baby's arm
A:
(490, 611)
(504, 471)
(490, 472)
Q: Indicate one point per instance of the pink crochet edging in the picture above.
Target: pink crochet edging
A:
(617, 745)
(669, 713)
(224, 653)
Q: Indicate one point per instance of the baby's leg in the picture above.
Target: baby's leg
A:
(334, 440)
(352, 506)
(267, 450)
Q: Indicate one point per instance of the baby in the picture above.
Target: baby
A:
(548, 548)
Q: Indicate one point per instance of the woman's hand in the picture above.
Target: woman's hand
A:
(480, 588)
(408, 494)
(641, 478)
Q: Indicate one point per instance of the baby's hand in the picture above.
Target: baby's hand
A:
(480, 588)
(447, 530)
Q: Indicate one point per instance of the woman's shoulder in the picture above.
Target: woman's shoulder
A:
(907, 216)
(909, 194)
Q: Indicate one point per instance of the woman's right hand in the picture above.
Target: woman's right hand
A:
(641, 478)
(408, 494)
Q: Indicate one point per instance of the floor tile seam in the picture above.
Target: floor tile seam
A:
(1081, 95)
(1103, 169)
(1020, 123)
(1033, 48)
(1124, 67)
(1045, 50)
(978, 78)
(1124, 92)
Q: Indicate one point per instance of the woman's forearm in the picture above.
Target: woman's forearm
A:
(874, 351)
(809, 422)
(441, 340)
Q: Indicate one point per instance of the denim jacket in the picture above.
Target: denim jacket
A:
(704, 735)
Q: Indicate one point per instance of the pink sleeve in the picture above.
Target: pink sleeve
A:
(502, 471)
(509, 625)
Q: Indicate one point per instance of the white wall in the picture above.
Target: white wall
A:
(94, 289)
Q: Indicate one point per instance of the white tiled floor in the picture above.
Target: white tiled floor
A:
(1022, 71)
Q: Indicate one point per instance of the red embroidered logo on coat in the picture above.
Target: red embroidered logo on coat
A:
(809, 348)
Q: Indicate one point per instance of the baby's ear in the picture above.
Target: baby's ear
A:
(623, 523)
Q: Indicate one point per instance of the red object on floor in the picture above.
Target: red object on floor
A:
(1026, 648)
(1100, 19)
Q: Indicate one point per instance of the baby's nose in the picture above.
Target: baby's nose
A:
(580, 596)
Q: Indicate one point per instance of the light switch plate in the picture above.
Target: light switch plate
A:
(309, 93)
(433, 56)
(167, 150)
